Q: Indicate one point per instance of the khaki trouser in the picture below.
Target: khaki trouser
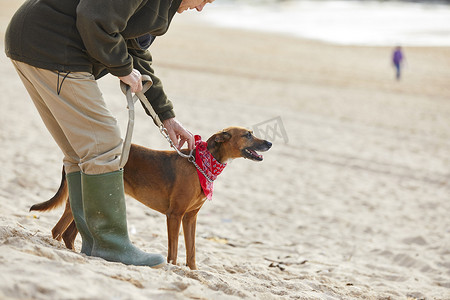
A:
(77, 118)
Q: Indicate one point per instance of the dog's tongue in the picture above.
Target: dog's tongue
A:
(256, 154)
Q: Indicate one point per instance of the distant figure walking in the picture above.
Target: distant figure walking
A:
(397, 59)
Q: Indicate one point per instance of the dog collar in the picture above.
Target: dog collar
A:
(208, 167)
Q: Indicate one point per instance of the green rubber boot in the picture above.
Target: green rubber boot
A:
(76, 205)
(105, 211)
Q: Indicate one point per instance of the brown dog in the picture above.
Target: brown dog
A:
(168, 183)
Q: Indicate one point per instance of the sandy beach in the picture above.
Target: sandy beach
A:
(351, 202)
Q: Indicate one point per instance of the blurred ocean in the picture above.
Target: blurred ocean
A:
(379, 23)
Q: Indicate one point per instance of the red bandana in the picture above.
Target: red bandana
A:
(208, 164)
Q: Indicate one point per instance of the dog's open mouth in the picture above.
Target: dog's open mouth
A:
(251, 154)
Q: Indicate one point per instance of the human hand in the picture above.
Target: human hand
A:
(134, 80)
(176, 132)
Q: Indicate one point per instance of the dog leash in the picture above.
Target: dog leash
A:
(130, 105)
(127, 142)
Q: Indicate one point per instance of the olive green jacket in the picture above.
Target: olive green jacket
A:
(96, 36)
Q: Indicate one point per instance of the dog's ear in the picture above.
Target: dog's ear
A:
(222, 137)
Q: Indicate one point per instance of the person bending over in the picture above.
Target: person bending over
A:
(59, 49)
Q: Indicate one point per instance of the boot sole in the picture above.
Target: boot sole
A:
(159, 266)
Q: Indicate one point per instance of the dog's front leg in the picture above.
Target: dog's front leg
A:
(173, 229)
(189, 224)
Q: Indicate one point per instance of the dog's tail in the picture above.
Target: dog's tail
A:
(58, 199)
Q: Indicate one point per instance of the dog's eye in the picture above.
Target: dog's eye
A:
(248, 135)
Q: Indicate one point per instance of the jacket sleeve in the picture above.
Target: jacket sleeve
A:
(99, 24)
(142, 61)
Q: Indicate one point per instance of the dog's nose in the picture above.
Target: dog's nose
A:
(268, 144)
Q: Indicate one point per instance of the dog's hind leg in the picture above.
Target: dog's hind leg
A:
(189, 225)
(63, 223)
(69, 235)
